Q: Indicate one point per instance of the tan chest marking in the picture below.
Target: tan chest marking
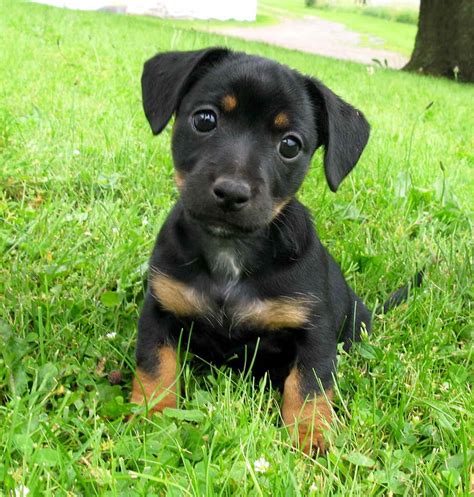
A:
(274, 314)
(178, 298)
(271, 314)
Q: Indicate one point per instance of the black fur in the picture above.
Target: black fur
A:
(278, 255)
(401, 294)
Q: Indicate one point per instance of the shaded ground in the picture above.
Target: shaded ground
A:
(315, 35)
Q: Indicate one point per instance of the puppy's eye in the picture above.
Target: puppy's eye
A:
(290, 147)
(205, 120)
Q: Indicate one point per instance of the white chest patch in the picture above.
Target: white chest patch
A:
(227, 265)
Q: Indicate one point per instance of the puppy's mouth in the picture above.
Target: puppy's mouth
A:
(223, 229)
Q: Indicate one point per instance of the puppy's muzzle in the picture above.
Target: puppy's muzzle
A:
(231, 194)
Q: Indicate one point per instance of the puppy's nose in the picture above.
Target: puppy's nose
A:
(231, 194)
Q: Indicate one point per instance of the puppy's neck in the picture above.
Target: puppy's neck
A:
(227, 258)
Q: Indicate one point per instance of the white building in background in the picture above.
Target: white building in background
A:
(240, 10)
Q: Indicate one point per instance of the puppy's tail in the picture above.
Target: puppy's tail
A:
(401, 294)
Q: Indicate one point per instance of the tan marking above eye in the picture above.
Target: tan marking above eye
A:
(281, 120)
(270, 314)
(229, 103)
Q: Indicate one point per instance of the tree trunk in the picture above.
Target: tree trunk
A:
(444, 43)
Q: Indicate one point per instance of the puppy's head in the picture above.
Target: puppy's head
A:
(245, 131)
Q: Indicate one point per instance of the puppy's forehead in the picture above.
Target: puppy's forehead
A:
(252, 84)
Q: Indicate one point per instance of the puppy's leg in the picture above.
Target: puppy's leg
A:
(307, 393)
(155, 381)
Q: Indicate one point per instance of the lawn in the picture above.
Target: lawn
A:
(377, 27)
(376, 31)
(84, 189)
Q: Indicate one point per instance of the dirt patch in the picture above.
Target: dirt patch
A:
(315, 35)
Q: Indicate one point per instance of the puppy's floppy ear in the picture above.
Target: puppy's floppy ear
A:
(342, 130)
(166, 78)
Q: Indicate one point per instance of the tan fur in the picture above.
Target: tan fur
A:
(177, 297)
(159, 390)
(274, 314)
(277, 208)
(310, 417)
(281, 120)
(229, 103)
(179, 179)
(271, 314)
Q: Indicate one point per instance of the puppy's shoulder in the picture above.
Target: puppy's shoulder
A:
(293, 230)
(174, 244)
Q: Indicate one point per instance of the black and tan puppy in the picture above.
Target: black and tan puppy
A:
(238, 267)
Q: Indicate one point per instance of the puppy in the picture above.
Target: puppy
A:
(238, 271)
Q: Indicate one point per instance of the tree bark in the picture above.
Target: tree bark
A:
(444, 43)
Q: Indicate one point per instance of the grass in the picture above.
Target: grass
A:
(381, 31)
(392, 12)
(397, 14)
(84, 189)
(379, 27)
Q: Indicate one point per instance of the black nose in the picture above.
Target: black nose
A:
(231, 194)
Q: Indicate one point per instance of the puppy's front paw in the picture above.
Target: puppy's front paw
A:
(308, 435)
(157, 389)
(151, 392)
(307, 420)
